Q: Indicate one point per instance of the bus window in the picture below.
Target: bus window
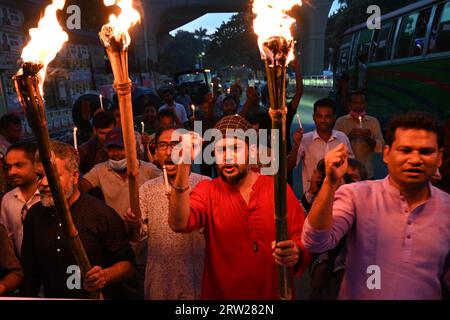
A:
(406, 35)
(421, 32)
(361, 46)
(347, 40)
(440, 35)
(381, 42)
(343, 58)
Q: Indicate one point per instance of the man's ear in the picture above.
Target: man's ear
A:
(253, 151)
(386, 152)
(76, 177)
(440, 155)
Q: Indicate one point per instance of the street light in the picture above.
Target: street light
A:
(200, 58)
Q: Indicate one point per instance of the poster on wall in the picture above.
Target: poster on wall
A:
(11, 42)
(10, 17)
(12, 100)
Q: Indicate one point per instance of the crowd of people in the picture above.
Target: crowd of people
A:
(209, 232)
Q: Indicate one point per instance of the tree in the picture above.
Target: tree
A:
(234, 43)
(201, 34)
(181, 53)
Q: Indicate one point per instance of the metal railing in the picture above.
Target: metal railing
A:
(319, 81)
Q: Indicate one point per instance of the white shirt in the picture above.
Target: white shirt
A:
(175, 261)
(363, 152)
(313, 149)
(180, 111)
(11, 214)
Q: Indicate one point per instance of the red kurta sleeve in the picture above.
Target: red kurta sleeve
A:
(199, 200)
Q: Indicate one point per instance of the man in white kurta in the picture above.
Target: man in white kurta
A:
(174, 261)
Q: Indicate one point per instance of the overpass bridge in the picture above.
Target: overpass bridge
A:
(163, 16)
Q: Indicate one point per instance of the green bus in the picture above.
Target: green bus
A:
(405, 64)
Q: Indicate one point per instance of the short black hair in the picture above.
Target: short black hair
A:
(160, 131)
(163, 90)
(358, 93)
(151, 104)
(414, 120)
(229, 97)
(360, 167)
(325, 102)
(29, 148)
(165, 113)
(103, 120)
(9, 119)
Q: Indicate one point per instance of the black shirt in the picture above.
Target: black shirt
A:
(46, 253)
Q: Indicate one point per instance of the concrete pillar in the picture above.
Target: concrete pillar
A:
(313, 22)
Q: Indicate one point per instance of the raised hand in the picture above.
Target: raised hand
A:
(298, 136)
(336, 163)
(188, 149)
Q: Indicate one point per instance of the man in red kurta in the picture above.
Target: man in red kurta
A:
(236, 211)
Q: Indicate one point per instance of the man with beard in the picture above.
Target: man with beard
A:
(311, 147)
(17, 202)
(236, 211)
(398, 228)
(111, 176)
(46, 253)
(174, 261)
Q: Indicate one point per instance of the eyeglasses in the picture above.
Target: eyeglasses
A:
(40, 176)
(162, 146)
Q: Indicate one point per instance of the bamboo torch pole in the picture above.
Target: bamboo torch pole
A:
(117, 52)
(276, 73)
(272, 24)
(27, 86)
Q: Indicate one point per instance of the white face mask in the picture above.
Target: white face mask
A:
(118, 165)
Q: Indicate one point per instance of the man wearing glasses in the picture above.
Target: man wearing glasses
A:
(174, 261)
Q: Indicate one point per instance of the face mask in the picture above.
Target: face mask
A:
(118, 165)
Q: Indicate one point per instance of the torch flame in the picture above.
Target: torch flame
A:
(118, 25)
(46, 40)
(272, 21)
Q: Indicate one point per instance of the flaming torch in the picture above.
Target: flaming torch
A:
(28, 82)
(114, 36)
(276, 44)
